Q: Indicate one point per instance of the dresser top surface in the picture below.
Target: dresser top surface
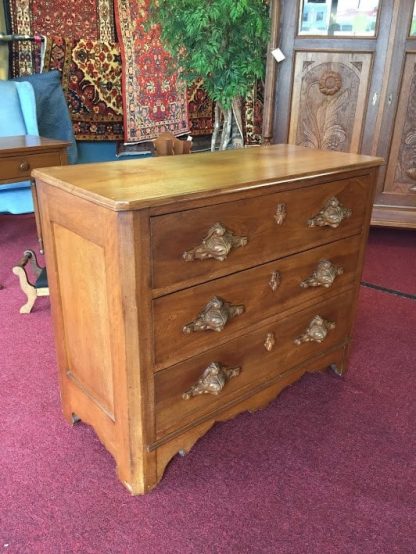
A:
(27, 144)
(134, 184)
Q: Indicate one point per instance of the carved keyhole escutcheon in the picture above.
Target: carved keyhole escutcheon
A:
(269, 342)
(281, 213)
(275, 281)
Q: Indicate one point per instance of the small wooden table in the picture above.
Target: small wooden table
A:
(20, 154)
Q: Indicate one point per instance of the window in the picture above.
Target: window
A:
(341, 17)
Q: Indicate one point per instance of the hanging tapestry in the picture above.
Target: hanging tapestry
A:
(91, 81)
(200, 109)
(72, 18)
(154, 99)
(253, 114)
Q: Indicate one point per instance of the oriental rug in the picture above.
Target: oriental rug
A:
(91, 81)
(253, 114)
(72, 18)
(200, 109)
(154, 99)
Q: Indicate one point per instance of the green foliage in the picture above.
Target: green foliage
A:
(222, 41)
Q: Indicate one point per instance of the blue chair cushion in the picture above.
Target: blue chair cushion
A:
(28, 107)
(52, 110)
(12, 122)
(17, 117)
(16, 198)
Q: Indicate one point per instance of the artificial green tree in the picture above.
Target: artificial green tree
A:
(223, 42)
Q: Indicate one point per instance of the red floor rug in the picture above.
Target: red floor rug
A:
(391, 259)
(329, 467)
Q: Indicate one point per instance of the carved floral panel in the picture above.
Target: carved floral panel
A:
(401, 170)
(329, 99)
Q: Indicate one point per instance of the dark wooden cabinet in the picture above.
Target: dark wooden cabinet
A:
(350, 92)
(187, 289)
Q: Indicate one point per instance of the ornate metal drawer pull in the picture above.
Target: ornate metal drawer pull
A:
(269, 342)
(323, 276)
(331, 214)
(275, 281)
(317, 330)
(217, 244)
(212, 381)
(281, 213)
(214, 316)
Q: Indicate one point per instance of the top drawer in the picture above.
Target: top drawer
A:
(258, 230)
(20, 167)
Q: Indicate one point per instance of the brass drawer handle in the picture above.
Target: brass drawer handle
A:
(281, 213)
(275, 281)
(24, 166)
(317, 330)
(332, 214)
(269, 342)
(323, 276)
(214, 316)
(217, 244)
(212, 381)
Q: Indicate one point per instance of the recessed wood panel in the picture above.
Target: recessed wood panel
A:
(329, 99)
(86, 318)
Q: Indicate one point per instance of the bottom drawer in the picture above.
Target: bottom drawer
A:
(240, 365)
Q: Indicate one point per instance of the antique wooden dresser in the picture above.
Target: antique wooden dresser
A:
(188, 289)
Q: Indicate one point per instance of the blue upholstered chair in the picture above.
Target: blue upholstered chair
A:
(33, 105)
(17, 117)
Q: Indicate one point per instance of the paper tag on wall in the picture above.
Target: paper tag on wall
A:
(278, 55)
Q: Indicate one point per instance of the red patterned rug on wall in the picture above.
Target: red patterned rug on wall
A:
(200, 109)
(91, 80)
(253, 114)
(154, 100)
(91, 19)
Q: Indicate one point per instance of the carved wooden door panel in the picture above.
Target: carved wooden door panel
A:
(329, 99)
(328, 87)
(395, 202)
(401, 168)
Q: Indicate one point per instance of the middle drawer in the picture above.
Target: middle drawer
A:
(196, 319)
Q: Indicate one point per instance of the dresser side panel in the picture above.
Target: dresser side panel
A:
(94, 281)
(82, 280)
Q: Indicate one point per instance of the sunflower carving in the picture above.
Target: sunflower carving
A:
(330, 83)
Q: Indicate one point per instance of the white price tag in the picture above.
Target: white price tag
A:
(278, 55)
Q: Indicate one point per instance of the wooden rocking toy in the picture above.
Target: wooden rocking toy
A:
(32, 291)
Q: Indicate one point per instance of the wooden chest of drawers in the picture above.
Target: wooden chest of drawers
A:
(186, 290)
